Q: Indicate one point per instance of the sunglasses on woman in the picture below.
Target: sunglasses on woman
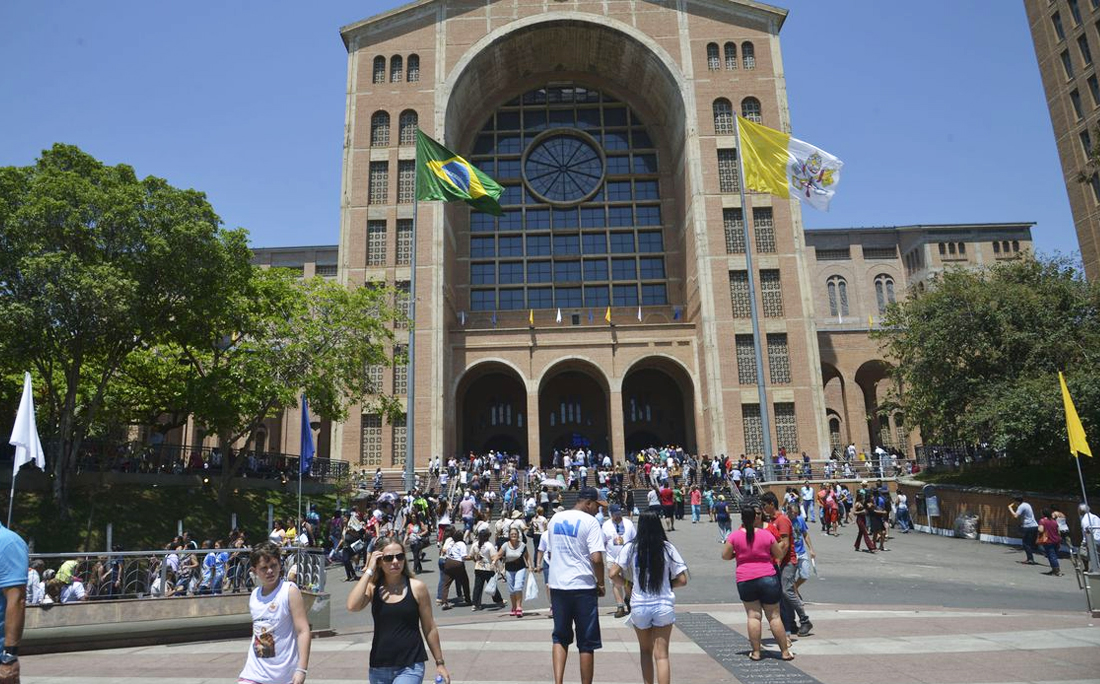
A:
(391, 557)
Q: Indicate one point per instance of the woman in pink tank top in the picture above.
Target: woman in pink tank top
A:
(757, 551)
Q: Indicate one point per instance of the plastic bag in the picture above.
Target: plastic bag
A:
(531, 591)
(490, 587)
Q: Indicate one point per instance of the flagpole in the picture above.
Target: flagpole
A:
(1080, 476)
(11, 499)
(410, 376)
(765, 422)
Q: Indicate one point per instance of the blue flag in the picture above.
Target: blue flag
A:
(676, 313)
(306, 459)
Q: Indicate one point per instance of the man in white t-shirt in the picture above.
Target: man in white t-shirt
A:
(617, 532)
(575, 543)
(1090, 525)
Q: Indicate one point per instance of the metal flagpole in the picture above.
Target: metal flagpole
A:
(765, 422)
(410, 379)
(11, 500)
(1080, 476)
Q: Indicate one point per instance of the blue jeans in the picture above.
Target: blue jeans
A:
(1051, 551)
(413, 674)
(439, 585)
(902, 518)
(695, 508)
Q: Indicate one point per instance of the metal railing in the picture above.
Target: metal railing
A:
(164, 574)
(953, 457)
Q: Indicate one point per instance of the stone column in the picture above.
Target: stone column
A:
(615, 426)
(534, 452)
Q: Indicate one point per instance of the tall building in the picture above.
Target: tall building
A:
(1066, 34)
(610, 126)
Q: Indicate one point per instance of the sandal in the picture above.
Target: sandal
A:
(519, 613)
(755, 657)
(789, 656)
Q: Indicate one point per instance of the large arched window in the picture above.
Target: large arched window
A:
(731, 55)
(884, 291)
(582, 224)
(379, 69)
(397, 69)
(838, 296)
(748, 55)
(407, 127)
(750, 109)
(379, 129)
(713, 63)
(413, 68)
(723, 117)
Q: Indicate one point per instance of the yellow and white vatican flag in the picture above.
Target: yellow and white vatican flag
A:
(776, 163)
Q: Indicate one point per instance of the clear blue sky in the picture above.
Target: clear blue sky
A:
(936, 107)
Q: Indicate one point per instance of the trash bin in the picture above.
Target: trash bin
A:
(966, 526)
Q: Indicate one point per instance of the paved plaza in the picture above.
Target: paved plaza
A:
(931, 610)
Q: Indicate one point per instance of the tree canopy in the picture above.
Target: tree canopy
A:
(978, 355)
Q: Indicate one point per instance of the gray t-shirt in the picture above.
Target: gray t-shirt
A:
(1026, 515)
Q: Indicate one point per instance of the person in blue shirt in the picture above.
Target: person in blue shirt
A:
(14, 561)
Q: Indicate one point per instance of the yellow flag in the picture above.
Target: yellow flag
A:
(607, 316)
(1077, 443)
(531, 316)
(787, 167)
(870, 321)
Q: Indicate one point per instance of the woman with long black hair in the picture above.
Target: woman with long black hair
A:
(655, 567)
(757, 551)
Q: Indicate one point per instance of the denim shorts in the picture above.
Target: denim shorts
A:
(579, 609)
(517, 580)
(763, 589)
(644, 617)
(410, 674)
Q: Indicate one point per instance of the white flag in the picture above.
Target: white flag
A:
(24, 436)
(559, 315)
(639, 314)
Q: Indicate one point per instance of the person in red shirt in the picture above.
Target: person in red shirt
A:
(790, 602)
(696, 503)
(668, 505)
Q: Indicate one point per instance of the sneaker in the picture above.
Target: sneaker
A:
(805, 629)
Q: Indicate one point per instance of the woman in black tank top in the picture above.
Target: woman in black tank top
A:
(400, 606)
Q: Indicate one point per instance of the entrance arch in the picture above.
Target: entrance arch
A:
(870, 377)
(573, 409)
(492, 409)
(658, 405)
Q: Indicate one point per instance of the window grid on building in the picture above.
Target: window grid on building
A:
(376, 243)
(404, 242)
(884, 292)
(407, 123)
(406, 181)
(400, 443)
(746, 359)
(723, 117)
(378, 181)
(379, 70)
(401, 369)
(731, 55)
(729, 180)
(753, 428)
(739, 294)
(380, 129)
(771, 293)
(890, 252)
(786, 426)
(370, 440)
(374, 377)
(326, 270)
(402, 300)
(735, 231)
(838, 296)
(748, 55)
(779, 360)
(763, 230)
(397, 69)
(838, 254)
(750, 109)
(414, 68)
(713, 64)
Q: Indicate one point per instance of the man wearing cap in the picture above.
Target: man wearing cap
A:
(617, 533)
(575, 543)
(1090, 525)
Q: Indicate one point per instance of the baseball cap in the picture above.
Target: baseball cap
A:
(615, 508)
(592, 494)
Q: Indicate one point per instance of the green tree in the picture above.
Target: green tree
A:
(95, 264)
(978, 355)
(279, 338)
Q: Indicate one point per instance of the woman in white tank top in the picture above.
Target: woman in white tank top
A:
(279, 653)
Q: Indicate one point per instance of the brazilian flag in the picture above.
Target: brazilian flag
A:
(443, 175)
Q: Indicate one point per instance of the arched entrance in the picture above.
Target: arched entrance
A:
(573, 410)
(871, 378)
(492, 405)
(658, 406)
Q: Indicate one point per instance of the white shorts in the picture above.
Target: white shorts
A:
(644, 617)
(804, 569)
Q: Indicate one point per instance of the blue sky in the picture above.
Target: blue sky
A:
(936, 107)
